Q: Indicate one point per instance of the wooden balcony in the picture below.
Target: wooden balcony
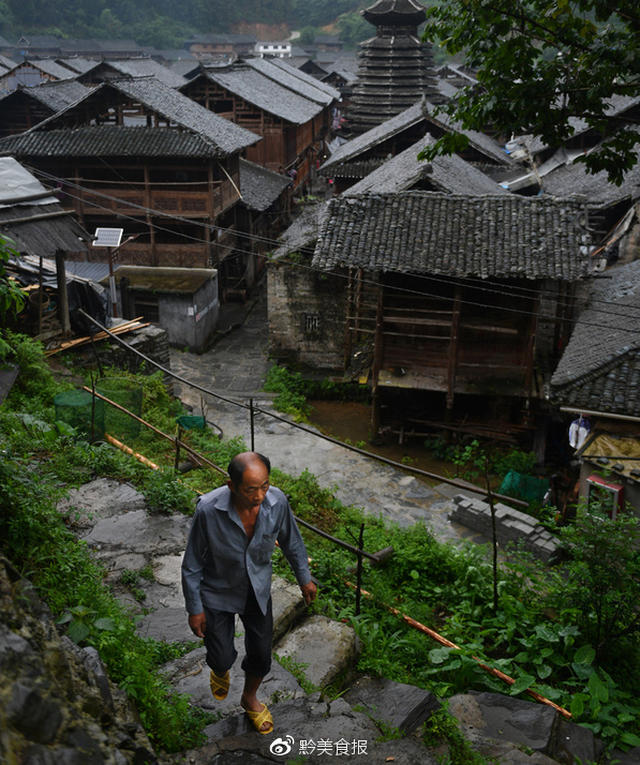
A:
(168, 200)
(178, 255)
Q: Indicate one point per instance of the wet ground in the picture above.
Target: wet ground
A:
(236, 367)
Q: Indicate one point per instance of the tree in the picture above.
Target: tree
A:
(12, 298)
(601, 581)
(354, 28)
(307, 35)
(541, 63)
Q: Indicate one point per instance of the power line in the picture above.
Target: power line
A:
(481, 285)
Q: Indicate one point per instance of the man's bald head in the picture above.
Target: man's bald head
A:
(242, 461)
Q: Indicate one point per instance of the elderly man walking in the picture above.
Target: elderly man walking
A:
(226, 570)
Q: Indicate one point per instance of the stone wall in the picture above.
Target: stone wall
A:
(153, 341)
(511, 525)
(306, 316)
(57, 704)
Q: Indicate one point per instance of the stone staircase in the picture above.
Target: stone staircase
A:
(361, 720)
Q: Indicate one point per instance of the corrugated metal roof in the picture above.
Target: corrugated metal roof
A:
(447, 173)
(109, 141)
(42, 236)
(254, 87)
(434, 233)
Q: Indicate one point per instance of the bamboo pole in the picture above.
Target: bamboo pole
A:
(128, 326)
(199, 458)
(444, 641)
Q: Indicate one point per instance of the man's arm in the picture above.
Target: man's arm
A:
(293, 547)
(192, 567)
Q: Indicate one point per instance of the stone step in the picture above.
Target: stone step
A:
(309, 730)
(323, 649)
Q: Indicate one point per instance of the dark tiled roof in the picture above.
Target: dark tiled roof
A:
(600, 367)
(77, 63)
(376, 135)
(304, 231)
(447, 173)
(227, 136)
(222, 134)
(147, 67)
(429, 232)
(49, 66)
(108, 141)
(415, 114)
(254, 87)
(574, 179)
(57, 95)
(291, 77)
(479, 141)
(260, 187)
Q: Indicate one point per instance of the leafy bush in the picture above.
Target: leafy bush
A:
(165, 494)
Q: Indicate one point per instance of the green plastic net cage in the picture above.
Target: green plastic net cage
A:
(526, 487)
(75, 408)
(191, 422)
(129, 395)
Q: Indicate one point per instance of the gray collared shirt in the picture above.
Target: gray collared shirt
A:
(220, 563)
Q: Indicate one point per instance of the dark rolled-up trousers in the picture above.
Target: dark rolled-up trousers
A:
(258, 635)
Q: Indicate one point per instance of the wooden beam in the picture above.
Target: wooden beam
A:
(453, 348)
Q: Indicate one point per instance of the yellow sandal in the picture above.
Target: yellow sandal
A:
(219, 685)
(258, 719)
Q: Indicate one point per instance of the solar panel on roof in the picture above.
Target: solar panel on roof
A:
(107, 237)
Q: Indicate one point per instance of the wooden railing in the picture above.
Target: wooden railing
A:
(172, 201)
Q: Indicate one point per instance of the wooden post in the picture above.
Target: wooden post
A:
(40, 296)
(251, 420)
(359, 569)
(531, 348)
(178, 438)
(63, 297)
(348, 345)
(377, 362)
(453, 348)
(147, 203)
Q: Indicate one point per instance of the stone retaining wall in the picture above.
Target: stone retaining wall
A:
(511, 526)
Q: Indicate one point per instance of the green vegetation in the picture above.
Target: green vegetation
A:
(294, 390)
(541, 64)
(161, 24)
(568, 632)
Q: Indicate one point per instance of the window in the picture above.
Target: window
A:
(311, 324)
(147, 307)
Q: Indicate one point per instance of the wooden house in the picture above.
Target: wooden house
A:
(35, 223)
(598, 379)
(288, 108)
(363, 154)
(117, 69)
(33, 72)
(455, 296)
(137, 154)
(215, 45)
(25, 107)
